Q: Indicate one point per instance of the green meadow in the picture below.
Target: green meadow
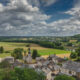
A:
(52, 51)
(10, 46)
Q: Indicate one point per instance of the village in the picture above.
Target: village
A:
(51, 66)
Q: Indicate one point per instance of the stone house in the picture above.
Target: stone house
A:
(71, 68)
(9, 59)
(56, 59)
(47, 73)
(40, 59)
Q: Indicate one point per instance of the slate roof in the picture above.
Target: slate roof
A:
(74, 66)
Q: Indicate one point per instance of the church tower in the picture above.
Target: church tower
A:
(28, 58)
(29, 51)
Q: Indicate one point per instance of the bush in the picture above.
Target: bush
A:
(78, 51)
(7, 51)
(1, 49)
(78, 59)
(69, 44)
(73, 55)
(64, 77)
(5, 64)
(28, 45)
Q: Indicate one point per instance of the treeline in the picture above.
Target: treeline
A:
(47, 44)
(55, 45)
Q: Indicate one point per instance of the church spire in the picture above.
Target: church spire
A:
(29, 51)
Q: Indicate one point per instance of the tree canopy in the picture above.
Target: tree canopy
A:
(73, 55)
(1, 49)
(23, 74)
(17, 53)
(35, 54)
(64, 77)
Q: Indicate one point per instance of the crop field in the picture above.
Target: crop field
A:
(9, 46)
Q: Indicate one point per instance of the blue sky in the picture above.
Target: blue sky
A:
(39, 17)
(57, 8)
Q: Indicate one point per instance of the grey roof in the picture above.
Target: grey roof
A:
(39, 58)
(74, 66)
(46, 63)
(56, 58)
(53, 56)
(46, 70)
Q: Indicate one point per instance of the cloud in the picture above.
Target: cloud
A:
(1, 7)
(21, 17)
(48, 2)
(39, 3)
(24, 18)
(70, 26)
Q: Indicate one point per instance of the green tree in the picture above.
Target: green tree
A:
(73, 55)
(1, 49)
(24, 74)
(17, 53)
(64, 77)
(69, 44)
(5, 64)
(78, 59)
(78, 51)
(35, 54)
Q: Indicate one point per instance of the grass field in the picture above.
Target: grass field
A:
(9, 46)
(52, 51)
(5, 55)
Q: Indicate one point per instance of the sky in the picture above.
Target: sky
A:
(39, 17)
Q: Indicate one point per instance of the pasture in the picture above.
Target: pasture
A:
(10, 46)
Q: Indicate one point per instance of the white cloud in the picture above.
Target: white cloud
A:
(69, 26)
(20, 18)
(48, 2)
(38, 3)
(1, 7)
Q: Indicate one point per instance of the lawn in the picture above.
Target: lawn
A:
(9, 46)
(52, 51)
(4, 55)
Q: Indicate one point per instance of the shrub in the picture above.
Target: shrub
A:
(64, 77)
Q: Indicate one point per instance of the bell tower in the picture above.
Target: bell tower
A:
(29, 57)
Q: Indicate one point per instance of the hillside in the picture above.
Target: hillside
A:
(9, 47)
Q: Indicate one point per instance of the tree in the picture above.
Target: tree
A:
(28, 45)
(64, 77)
(1, 49)
(69, 44)
(35, 54)
(73, 55)
(5, 64)
(17, 53)
(78, 59)
(24, 74)
(78, 51)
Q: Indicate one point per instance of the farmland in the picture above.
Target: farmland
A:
(10, 46)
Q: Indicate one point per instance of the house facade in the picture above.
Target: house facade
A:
(50, 66)
(9, 59)
(71, 68)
